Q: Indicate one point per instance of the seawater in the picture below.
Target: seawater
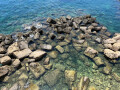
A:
(15, 13)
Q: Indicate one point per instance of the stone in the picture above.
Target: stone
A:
(46, 46)
(15, 87)
(62, 43)
(48, 66)
(83, 28)
(117, 36)
(3, 71)
(60, 49)
(91, 88)
(108, 46)
(2, 50)
(37, 69)
(23, 76)
(83, 83)
(116, 77)
(75, 25)
(98, 40)
(16, 63)
(37, 35)
(98, 61)
(33, 87)
(68, 17)
(111, 54)
(5, 60)
(46, 61)
(53, 54)
(52, 77)
(59, 66)
(23, 45)
(77, 46)
(70, 75)
(4, 88)
(90, 52)
(28, 60)
(107, 69)
(109, 41)
(22, 54)
(116, 46)
(37, 54)
(12, 48)
(51, 21)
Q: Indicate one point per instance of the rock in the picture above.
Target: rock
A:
(2, 50)
(98, 40)
(83, 83)
(37, 70)
(111, 54)
(48, 67)
(51, 21)
(3, 71)
(46, 46)
(70, 75)
(75, 25)
(15, 87)
(59, 66)
(62, 43)
(116, 77)
(53, 54)
(37, 54)
(16, 63)
(59, 48)
(22, 54)
(33, 28)
(91, 88)
(4, 88)
(23, 45)
(116, 46)
(109, 41)
(27, 60)
(23, 76)
(79, 41)
(117, 36)
(83, 28)
(68, 17)
(5, 60)
(46, 61)
(90, 52)
(12, 48)
(1, 55)
(33, 87)
(98, 61)
(52, 77)
(107, 69)
(77, 46)
(37, 35)
(108, 46)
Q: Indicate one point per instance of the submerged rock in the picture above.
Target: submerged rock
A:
(23, 45)
(116, 77)
(98, 61)
(46, 46)
(70, 75)
(15, 87)
(59, 48)
(107, 69)
(53, 54)
(33, 87)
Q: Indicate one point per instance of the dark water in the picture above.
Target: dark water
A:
(15, 13)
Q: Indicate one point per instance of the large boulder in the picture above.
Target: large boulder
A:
(46, 46)
(37, 54)
(3, 71)
(12, 48)
(22, 54)
(5, 60)
(111, 54)
(90, 52)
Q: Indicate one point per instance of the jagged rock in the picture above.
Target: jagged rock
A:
(111, 54)
(46, 61)
(15, 87)
(16, 63)
(75, 25)
(116, 46)
(83, 83)
(3, 71)
(2, 50)
(46, 46)
(107, 69)
(12, 48)
(109, 41)
(59, 48)
(52, 77)
(37, 69)
(98, 61)
(79, 41)
(37, 54)
(90, 52)
(5, 60)
(53, 54)
(22, 54)
(70, 75)
(23, 45)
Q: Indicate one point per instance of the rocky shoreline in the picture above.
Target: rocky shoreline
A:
(34, 51)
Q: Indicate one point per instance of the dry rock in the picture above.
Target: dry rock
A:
(16, 63)
(46, 46)
(53, 54)
(5, 60)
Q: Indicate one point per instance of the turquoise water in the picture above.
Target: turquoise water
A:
(15, 13)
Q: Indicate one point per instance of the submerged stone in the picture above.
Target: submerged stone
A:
(33, 87)
(46, 46)
(59, 48)
(98, 61)
(53, 54)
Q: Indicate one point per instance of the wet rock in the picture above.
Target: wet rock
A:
(52, 77)
(3, 71)
(23, 76)
(77, 46)
(12, 48)
(5, 60)
(16, 63)
(53, 54)
(37, 35)
(107, 69)
(68, 17)
(46, 46)
(2, 50)
(8, 40)
(23, 45)
(37, 69)
(22, 54)
(37, 54)
(51, 21)
(108, 46)
(62, 43)
(116, 77)
(46, 61)
(98, 61)
(70, 75)
(60, 49)
(15, 87)
(90, 52)
(91, 88)
(109, 41)
(48, 66)
(116, 46)
(33, 87)
(83, 83)
(111, 54)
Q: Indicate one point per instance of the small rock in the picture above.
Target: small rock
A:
(107, 69)
(3, 71)
(59, 48)
(116, 77)
(33, 87)
(5, 60)
(116, 46)
(16, 63)
(15, 87)
(46, 46)
(46, 61)
(70, 75)
(2, 50)
(49, 20)
(23, 45)
(48, 67)
(98, 61)
(53, 54)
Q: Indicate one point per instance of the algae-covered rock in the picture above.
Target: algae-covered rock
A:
(70, 75)
(59, 48)
(53, 54)
(107, 69)
(33, 87)
(98, 61)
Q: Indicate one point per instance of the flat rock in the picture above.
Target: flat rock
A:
(16, 63)
(22, 54)
(23, 45)
(46, 46)
(5, 60)
(53, 54)
(52, 77)
(37, 54)
(98, 61)
(3, 71)
(59, 48)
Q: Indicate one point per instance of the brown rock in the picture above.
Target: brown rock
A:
(98, 61)
(16, 63)
(53, 54)
(2, 50)
(3, 71)
(5, 60)
(59, 48)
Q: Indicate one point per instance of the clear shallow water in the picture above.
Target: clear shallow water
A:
(15, 13)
